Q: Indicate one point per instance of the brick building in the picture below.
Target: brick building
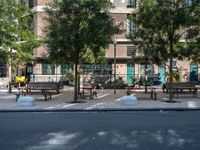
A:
(124, 49)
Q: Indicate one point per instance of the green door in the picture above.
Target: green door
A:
(193, 72)
(162, 74)
(130, 73)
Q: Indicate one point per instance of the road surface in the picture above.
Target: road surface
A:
(115, 130)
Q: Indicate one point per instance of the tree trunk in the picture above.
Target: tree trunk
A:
(170, 72)
(10, 74)
(76, 83)
(146, 78)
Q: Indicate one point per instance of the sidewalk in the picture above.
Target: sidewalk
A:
(106, 100)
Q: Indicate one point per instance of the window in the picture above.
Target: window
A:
(32, 24)
(24, 2)
(131, 3)
(31, 3)
(3, 69)
(189, 2)
(48, 69)
(130, 50)
(130, 26)
(65, 67)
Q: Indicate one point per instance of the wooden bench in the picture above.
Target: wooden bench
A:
(53, 85)
(29, 90)
(131, 89)
(166, 86)
(153, 93)
(185, 90)
(80, 94)
(181, 88)
(88, 90)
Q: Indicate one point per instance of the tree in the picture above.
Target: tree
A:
(76, 27)
(16, 35)
(143, 40)
(16, 32)
(192, 48)
(166, 22)
(94, 58)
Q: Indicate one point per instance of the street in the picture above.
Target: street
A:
(100, 130)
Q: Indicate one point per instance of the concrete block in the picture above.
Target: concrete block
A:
(129, 100)
(26, 101)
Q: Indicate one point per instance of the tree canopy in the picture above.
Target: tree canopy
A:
(77, 28)
(16, 35)
(143, 40)
(192, 49)
(161, 25)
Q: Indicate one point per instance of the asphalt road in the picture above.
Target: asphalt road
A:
(137, 130)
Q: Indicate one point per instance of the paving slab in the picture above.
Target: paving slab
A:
(106, 100)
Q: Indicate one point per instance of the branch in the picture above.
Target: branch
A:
(83, 52)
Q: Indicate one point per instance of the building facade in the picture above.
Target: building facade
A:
(124, 49)
(44, 71)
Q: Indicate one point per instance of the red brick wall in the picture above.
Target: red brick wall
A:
(40, 24)
(121, 51)
(42, 2)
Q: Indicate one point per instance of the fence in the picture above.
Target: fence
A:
(46, 78)
(103, 80)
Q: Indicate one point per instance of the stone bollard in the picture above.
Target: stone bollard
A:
(129, 100)
(26, 101)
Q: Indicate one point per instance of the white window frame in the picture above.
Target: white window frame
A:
(132, 3)
(130, 27)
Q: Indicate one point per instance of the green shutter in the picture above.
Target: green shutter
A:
(130, 73)
(162, 74)
(193, 72)
(48, 69)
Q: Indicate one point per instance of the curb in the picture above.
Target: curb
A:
(100, 110)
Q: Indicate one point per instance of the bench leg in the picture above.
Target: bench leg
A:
(155, 94)
(19, 94)
(45, 97)
(94, 94)
(79, 95)
(194, 93)
(151, 94)
(17, 97)
(49, 95)
(178, 94)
